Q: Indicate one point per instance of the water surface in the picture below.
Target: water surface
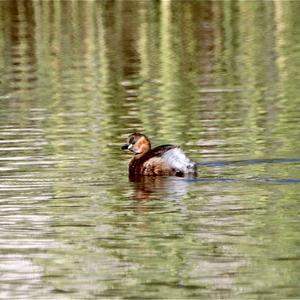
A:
(221, 79)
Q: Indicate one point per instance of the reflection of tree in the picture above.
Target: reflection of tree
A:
(288, 62)
(247, 57)
(169, 109)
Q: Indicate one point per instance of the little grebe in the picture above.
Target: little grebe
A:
(164, 160)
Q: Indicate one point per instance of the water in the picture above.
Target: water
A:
(219, 78)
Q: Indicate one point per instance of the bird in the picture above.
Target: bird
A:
(164, 160)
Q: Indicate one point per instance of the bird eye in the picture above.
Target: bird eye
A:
(132, 141)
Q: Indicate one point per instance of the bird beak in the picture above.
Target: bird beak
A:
(128, 147)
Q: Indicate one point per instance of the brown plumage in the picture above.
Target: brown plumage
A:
(164, 160)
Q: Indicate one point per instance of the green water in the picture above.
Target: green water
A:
(221, 79)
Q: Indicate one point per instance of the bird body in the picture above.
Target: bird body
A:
(164, 160)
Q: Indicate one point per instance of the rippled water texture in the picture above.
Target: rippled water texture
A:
(221, 79)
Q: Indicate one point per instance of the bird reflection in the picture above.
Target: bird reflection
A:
(149, 187)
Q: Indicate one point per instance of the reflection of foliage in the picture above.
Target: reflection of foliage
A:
(261, 113)
(139, 65)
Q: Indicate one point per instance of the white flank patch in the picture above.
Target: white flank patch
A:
(177, 160)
